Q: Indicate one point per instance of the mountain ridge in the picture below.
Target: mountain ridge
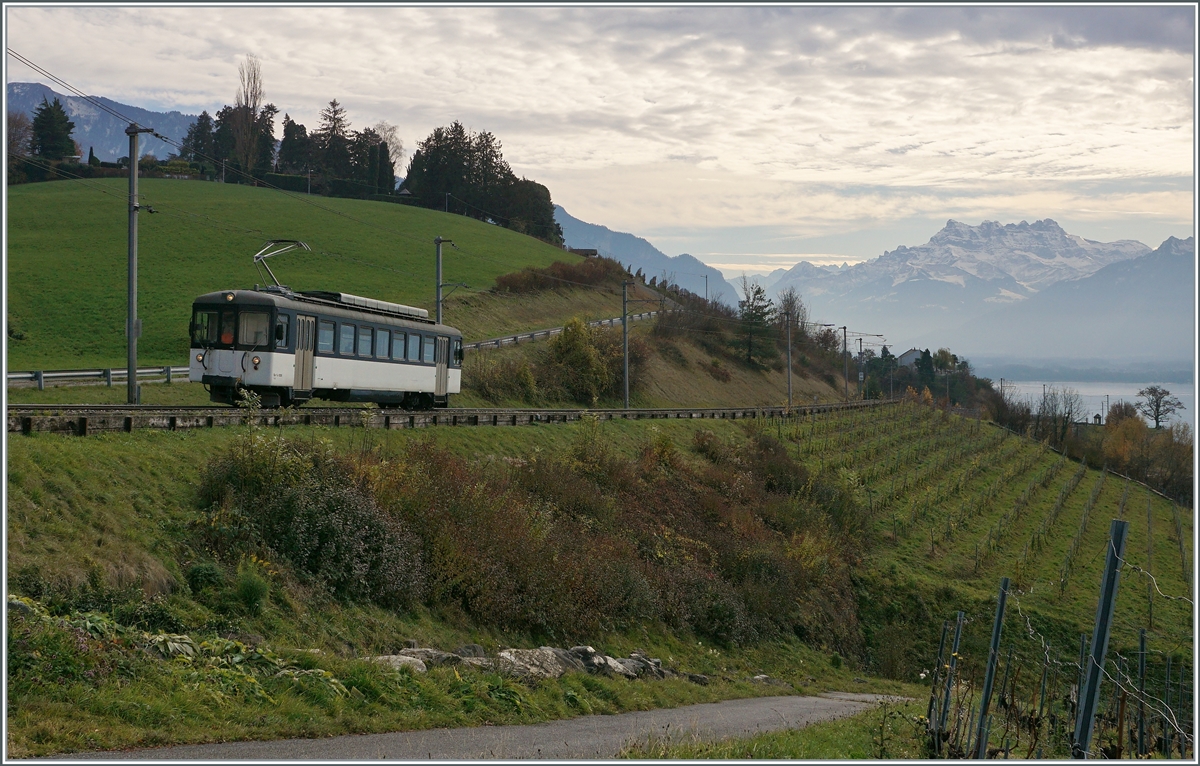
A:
(99, 130)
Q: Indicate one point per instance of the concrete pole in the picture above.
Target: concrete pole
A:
(788, 316)
(133, 327)
(438, 241)
(845, 366)
(625, 338)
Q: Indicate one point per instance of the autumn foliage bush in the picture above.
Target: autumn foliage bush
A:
(728, 539)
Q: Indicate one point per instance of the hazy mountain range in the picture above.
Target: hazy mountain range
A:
(636, 253)
(99, 130)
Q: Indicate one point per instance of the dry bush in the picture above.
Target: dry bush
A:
(559, 275)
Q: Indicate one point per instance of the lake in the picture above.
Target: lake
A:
(1093, 395)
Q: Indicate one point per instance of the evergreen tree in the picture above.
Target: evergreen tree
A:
(222, 139)
(332, 141)
(93, 160)
(51, 137)
(265, 132)
(198, 143)
(386, 178)
(294, 147)
(757, 313)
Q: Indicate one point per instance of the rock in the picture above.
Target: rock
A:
(761, 679)
(470, 650)
(19, 606)
(860, 680)
(399, 661)
(479, 663)
(598, 663)
(697, 678)
(765, 679)
(410, 643)
(543, 662)
(433, 657)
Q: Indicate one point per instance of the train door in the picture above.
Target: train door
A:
(306, 333)
(443, 362)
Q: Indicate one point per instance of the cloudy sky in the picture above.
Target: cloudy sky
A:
(750, 137)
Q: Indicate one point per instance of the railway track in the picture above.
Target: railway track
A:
(85, 419)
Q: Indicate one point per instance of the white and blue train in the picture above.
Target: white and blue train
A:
(291, 346)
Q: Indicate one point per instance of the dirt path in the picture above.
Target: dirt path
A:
(594, 736)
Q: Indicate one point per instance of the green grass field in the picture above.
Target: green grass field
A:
(67, 263)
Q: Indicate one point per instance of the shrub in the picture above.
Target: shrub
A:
(250, 587)
(560, 275)
(206, 574)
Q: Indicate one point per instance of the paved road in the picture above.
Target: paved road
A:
(594, 736)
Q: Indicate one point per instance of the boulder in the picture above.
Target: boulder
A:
(432, 657)
(470, 650)
(398, 661)
(697, 678)
(598, 663)
(543, 662)
(479, 663)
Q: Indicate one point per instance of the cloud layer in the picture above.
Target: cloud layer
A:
(815, 120)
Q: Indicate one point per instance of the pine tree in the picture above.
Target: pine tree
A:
(294, 147)
(92, 159)
(198, 143)
(333, 141)
(386, 180)
(52, 130)
(757, 313)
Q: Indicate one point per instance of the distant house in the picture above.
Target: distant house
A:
(908, 358)
(586, 253)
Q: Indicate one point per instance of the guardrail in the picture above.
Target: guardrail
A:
(106, 376)
(82, 420)
(508, 340)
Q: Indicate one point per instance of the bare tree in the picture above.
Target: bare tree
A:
(791, 305)
(245, 112)
(387, 131)
(20, 133)
(1158, 404)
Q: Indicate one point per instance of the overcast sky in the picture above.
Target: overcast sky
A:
(750, 137)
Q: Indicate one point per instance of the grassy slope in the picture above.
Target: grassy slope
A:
(67, 264)
(121, 505)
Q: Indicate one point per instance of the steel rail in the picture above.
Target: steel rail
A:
(85, 419)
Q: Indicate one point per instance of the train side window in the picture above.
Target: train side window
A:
(281, 331)
(429, 348)
(398, 346)
(228, 322)
(364, 341)
(346, 347)
(414, 348)
(204, 328)
(383, 339)
(325, 337)
(456, 355)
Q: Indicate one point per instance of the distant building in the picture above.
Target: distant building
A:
(585, 252)
(908, 358)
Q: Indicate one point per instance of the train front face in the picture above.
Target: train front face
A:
(239, 340)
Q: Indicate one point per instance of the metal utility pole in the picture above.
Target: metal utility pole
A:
(990, 678)
(133, 325)
(706, 288)
(439, 242)
(625, 337)
(860, 369)
(1089, 697)
(845, 366)
(788, 316)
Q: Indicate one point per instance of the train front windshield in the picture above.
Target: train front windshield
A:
(213, 327)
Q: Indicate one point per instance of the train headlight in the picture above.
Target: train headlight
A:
(255, 361)
(228, 296)
(200, 358)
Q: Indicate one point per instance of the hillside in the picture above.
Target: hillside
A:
(817, 529)
(67, 253)
(637, 253)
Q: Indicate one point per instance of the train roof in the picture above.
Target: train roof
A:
(335, 303)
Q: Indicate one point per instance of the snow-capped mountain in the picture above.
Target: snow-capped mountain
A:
(959, 274)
